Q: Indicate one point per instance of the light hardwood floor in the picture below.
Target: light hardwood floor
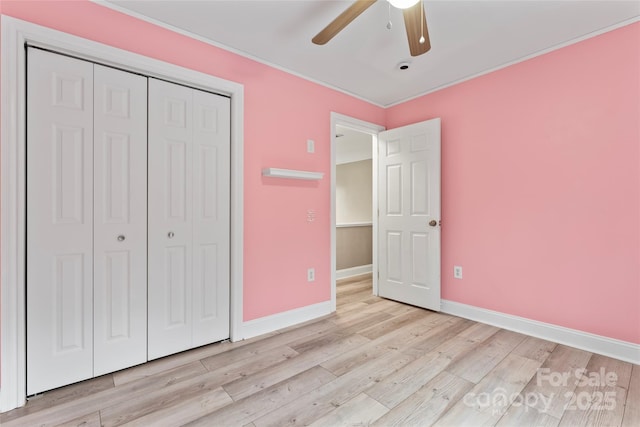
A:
(374, 362)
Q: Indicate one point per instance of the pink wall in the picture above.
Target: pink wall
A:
(279, 244)
(541, 186)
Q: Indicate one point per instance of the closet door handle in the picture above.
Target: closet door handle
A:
(170, 234)
(121, 238)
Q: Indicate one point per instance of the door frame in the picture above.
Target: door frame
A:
(372, 129)
(16, 34)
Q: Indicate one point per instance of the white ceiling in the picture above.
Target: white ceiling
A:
(467, 37)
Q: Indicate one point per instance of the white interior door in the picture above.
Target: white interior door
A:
(189, 175)
(59, 220)
(409, 214)
(170, 218)
(211, 221)
(120, 219)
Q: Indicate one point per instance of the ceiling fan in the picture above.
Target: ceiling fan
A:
(414, 22)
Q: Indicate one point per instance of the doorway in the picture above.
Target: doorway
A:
(354, 206)
(353, 197)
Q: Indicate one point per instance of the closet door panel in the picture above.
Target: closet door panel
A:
(211, 189)
(170, 218)
(59, 220)
(120, 230)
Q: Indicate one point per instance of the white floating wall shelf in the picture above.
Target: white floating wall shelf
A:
(292, 174)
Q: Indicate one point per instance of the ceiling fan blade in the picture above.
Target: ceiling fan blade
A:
(416, 26)
(342, 21)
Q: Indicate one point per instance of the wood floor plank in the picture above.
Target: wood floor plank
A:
(535, 348)
(245, 367)
(375, 304)
(364, 297)
(442, 332)
(475, 365)
(359, 411)
(349, 288)
(632, 408)
(311, 343)
(60, 396)
(185, 411)
(355, 326)
(424, 329)
(269, 343)
(454, 342)
(600, 395)
(166, 363)
(390, 325)
(156, 400)
(372, 299)
(98, 401)
(245, 410)
(549, 385)
(345, 362)
(479, 332)
(524, 415)
(399, 309)
(428, 403)
(400, 385)
(246, 386)
(355, 295)
(89, 420)
(488, 401)
(361, 316)
(355, 305)
(403, 336)
(323, 400)
(309, 324)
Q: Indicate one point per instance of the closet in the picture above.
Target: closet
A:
(124, 264)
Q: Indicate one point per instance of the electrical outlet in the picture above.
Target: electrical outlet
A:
(457, 272)
(311, 274)
(311, 146)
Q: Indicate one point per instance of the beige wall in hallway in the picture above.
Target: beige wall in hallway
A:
(353, 192)
(353, 205)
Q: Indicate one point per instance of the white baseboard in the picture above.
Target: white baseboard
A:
(617, 349)
(353, 271)
(267, 324)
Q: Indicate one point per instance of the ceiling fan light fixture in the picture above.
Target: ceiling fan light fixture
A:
(403, 4)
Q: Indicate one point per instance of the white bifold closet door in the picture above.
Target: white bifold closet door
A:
(120, 220)
(189, 224)
(86, 215)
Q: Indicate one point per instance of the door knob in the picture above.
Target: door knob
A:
(121, 238)
(433, 223)
(170, 234)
